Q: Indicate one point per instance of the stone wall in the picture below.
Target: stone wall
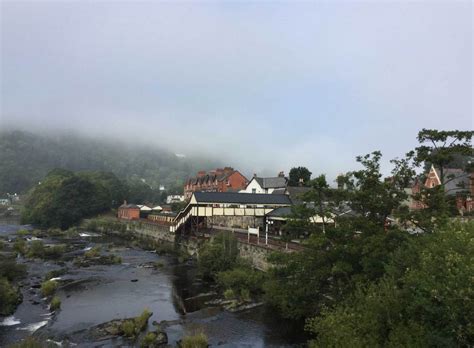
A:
(256, 254)
(236, 221)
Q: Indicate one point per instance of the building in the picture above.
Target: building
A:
(163, 217)
(218, 180)
(457, 183)
(266, 185)
(128, 211)
(170, 199)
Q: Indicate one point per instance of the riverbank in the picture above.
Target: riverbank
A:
(90, 296)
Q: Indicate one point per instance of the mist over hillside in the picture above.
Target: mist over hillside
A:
(25, 158)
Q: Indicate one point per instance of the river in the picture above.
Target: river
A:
(97, 294)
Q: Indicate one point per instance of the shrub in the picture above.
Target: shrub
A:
(55, 273)
(148, 340)
(54, 252)
(219, 255)
(55, 303)
(128, 328)
(20, 246)
(196, 341)
(229, 294)
(36, 249)
(11, 270)
(245, 295)
(49, 287)
(32, 342)
(241, 278)
(142, 320)
(9, 297)
(94, 252)
(23, 232)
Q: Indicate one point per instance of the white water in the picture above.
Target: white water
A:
(10, 321)
(33, 327)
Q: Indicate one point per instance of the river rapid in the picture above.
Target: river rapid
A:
(97, 294)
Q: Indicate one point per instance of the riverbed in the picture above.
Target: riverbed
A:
(97, 294)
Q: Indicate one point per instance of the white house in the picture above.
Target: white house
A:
(174, 199)
(266, 185)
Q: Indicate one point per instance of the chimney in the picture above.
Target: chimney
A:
(201, 173)
(124, 202)
(301, 182)
(281, 174)
(219, 171)
(254, 175)
(228, 170)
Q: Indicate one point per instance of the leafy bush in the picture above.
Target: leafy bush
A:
(36, 249)
(9, 297)
(11, 270)
(49, 287)
(54, 251)
(128, 328)
(55, 303)
(148, 340)
(245, 295)
(133, 327)
(219, 255)
(196, 341)
(55, 273)
(241, 278)
(229, 294)
(20, 246)
(94, 252)
(33, 342)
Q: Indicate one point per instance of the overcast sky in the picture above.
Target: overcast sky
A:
(261, 85)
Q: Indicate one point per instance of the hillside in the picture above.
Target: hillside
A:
(25, 159)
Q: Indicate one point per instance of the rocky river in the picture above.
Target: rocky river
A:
(93, 295)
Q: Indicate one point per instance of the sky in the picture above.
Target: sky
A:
(262, 86)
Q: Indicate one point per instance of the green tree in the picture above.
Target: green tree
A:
(424, 300)
(440, 148)
(299, 175)
(219, 255)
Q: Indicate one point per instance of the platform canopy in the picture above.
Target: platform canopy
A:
(240, 198)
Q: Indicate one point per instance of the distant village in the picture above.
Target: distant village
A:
(225, 199)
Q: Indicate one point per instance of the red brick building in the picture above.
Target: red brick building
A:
(128, 211)
(457, 183)
(218, 180)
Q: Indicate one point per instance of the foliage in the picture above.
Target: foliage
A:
(425, 299)
(219, 255)
(241, 278)
(63, 198)
(55, 303)
(33, 342)
(195, 341)
(93, 252)
(12, 271)
(9, 297)
(48, 287)
(26, 158)
(20, 246)
(299, 175)
(440, 148)
(35, 249)
(326, 271)
(229, 294)
(55, 273)
(132, 327)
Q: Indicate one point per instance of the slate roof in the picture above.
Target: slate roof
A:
(130, 206)
(280, 212)
(457, 180)
(275, 182)
(241, 198)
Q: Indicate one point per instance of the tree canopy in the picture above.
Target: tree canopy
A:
(299, 175)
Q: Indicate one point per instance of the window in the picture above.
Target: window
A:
(266, 190)
(254, 190)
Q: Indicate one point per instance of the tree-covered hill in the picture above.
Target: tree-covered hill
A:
(26, 158)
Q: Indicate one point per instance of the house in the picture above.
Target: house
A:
(266, 185)
(5, 201)
(174, 199)
(128, 211)
(457, 183)
(219, 180)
